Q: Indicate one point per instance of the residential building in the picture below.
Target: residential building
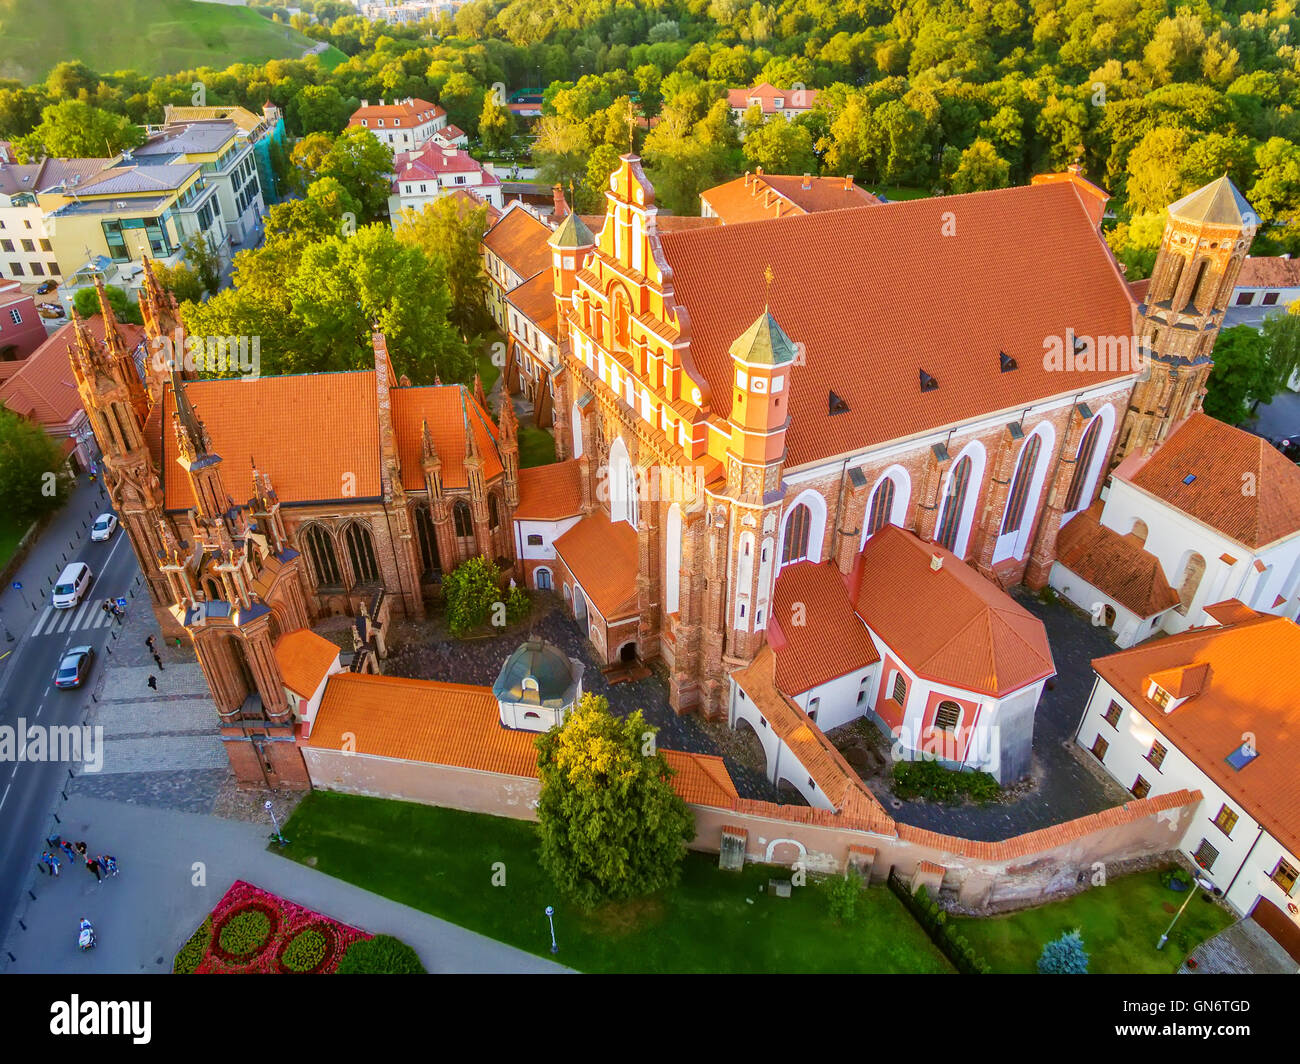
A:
(1213, 514)
(262, 131)
(770, 100)
(403, 125)
(422, 175)
(21, 328)
(1214, 710)
(1267, 282)
(27, 253)
(451, 137)
(758, 196)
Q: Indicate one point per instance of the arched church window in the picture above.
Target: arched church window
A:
(320, 552)
(429, 561)
(1082, 466)
(361, 552)
(882, 506)
(462, 518)
(494, 514)
(213, 590)
(797, 525)
(954, 504)
(1020, 485)
(947, 716)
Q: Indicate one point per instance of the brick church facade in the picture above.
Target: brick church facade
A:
(745, 397)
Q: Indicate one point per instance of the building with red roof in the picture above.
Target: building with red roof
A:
(403, 125)
(770, 100)
(21, 328)
(424, 174)
(758, 196)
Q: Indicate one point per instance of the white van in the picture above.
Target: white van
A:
(71, 585)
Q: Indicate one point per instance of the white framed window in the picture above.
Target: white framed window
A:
(17, 316)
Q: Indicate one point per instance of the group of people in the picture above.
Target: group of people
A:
(100, 866)
(153, 649)
(109, 606)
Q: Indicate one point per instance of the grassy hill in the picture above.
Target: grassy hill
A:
(150, 36)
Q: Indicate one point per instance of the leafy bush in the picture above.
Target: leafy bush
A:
(190, 954)
(518, 604)
(304, 951)
(245, 932)
(1170, 876)
(470, 590)
(1064, 956)
(932, 781)
(381, 955)
(842, 894)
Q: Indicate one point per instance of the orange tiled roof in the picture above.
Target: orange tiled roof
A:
(446, 407)
(756, 197)
(665, 223)
(1230, 611)
(42, 386)
(950, 626)
(766, 92)
(1269, 271)
(1139, 289)
(1218, 455)
(1115, 564)
(831, 641)
(519, 240)
(1022, 264)
(409, 109)
(1249, 688)
(702, 779)
(602, 556)
(304, 659)
(535, 300)
(550, 492)
(308, 432)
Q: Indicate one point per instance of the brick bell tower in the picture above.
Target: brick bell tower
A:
(1207, 235)
(570, 244)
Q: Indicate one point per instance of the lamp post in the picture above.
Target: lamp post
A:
(550, 913)
(1204, 884)
(276, 834)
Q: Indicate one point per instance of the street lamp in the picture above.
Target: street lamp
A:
(1201, 882)
(275, 834)
(550, 913)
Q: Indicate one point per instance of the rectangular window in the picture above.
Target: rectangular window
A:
(29, 245)
(1284, 876)
(1206, 855)
(1099, 748)
(45, 246)
(900, 689)
(6, 245)
(1244, 298)
(1270, 299)
(38, 269)
(16, 268)
(1141, 788)
(534, 541)
(115, 241)
(813, 705)
(1156, 755)
(17, 316)
(1112, 714)
(1226, 820)
(1161, 697)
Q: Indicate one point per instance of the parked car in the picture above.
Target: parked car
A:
(103, 528)
(74, 667)
(46, 286)
(49, 310)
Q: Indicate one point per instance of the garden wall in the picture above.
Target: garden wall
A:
(985, 876)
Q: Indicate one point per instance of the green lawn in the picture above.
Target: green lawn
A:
(149, 36)
(898, 192)
(442, 862)
(488, 370)
(1121, 923)
(536, 447)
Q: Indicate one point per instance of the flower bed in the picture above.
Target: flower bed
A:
(253, 931)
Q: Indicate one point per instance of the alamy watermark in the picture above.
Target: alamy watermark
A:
(227, 355)
(1075, 353)
(65, 744)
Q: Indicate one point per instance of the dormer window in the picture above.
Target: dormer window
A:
(379, 122)
(1160, 696)
(778, 102)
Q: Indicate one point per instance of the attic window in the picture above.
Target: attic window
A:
(1008, 363)
(837, 405)
(1080, 344)
(1242, 756)
(928, 383)
(1189, 478)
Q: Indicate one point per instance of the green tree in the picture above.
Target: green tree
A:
(33, 478)
(181, 281)
(611, 825)
(73, 128)
(204, 260)
(450, 230)
(319, 109)
(470, 591)
(356, 159)
(591, 193)
(1155, 169)
(496, 126)
(86, 304)
(1064, 956)
(981, 167)
(1241, 374)
(560, 152)
(1136, 243)
(1282, 338)
(781, 147)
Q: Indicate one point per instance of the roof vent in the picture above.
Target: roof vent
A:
(848, 182)
(807, 181)
(1008, 363)
(928, 383)
(936, 562)
(838, 405)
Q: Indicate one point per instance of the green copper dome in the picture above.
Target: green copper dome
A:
(539, 673)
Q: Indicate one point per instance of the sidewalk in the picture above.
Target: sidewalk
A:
(175, 867)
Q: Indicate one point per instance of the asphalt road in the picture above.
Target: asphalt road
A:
(29, 790)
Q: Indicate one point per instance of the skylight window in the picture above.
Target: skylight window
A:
(1242, 756)
(928, 383)
(1189, 478)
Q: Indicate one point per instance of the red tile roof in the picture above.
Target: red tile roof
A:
(1269, 272)
(305, 659)
(413, 112)
(701, 779)
(535, 300)
(951, 626)
(1023, 264)
(431, 161)
(519, 240)
(1230, 611)
(1115, 564)
(766, 92)
(602, 555)
(813, 630)
(447, 408)
(42, 386)
(550, 492)
(760, 196)
(1219, 456)
(1248, 688)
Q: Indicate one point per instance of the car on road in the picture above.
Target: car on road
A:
(103, 528)
(46, 286)
(72, 584)
(74, 667)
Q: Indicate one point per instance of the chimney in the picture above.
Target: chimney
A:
(758, 171)
(807, 182)
(381, 101)
(936, 562)
(365, 103)
(561, 207)
(848, 182)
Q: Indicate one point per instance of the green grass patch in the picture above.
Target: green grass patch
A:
(443, 861)
(898, 192)
(149, 36)
(488, 371)
(536, 447)
(1121, 923)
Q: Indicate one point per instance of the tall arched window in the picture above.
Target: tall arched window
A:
(494, 514)
(361, 552)
(320, 551)
(1191, 582)
(1083, 465)
(1196, 290)
(797, 525)
(462, 518)
(213, 590)
(1020, 485)
(882, 506)
(954, 504)
(429, 562)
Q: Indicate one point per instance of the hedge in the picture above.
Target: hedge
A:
(931, 916)
(381, 955)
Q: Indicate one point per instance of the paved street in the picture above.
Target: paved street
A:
(175, 867)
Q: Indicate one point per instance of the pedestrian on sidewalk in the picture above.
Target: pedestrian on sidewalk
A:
(153, 682)
(51, 862)
(109, 864)
(66, 847)
(158, 661)
(107, 606)
(118, 612)
(93, 866)
(149, 643)
(81, 850)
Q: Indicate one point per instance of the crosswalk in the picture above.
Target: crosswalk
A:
(89, 614)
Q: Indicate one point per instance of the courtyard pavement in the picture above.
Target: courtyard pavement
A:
(175, 866)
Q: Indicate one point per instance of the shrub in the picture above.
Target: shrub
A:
(471, 591)
(842, 894)
(192, 953)
(1064, 956)
(518, 604)
(935, 783)
(245, 932)
(381, 955)
(304, 951)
